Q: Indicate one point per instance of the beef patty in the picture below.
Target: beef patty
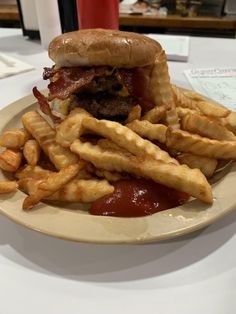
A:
(104, 105)
(101, 98)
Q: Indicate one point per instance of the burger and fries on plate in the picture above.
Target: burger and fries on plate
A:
(112, 114)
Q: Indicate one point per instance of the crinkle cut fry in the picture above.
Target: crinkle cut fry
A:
(8, 186)
(77, 190)
(45, 135)
(35, 172)
(14, 139)
(10, 160)
(52, 184)
(126, 138)
(182, 100)
(110, 176)
(207, 108)
(71, 128)
(160, 82)
(204, 126)
(149, 130)
(31, 152)
(105, 143)
(155, 114)
(172, 118)
(134, 114)
(198, 145)
(205, 164)
(212, 109)
(229, 121)
(182, 112)
(162, 91)
(179, 177)
(191, 94)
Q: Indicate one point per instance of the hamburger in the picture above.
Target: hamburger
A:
(106, 72)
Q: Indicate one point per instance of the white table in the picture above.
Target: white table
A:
(38, 274)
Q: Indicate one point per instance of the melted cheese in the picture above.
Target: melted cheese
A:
(60, 107)
(123, 92)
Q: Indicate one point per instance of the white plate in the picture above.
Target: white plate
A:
(78, 225)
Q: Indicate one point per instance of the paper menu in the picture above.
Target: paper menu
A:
(218, 84)
(176, 47)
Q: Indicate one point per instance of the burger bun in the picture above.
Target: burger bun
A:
(97, 47)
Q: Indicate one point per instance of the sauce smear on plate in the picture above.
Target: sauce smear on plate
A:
(137, 197)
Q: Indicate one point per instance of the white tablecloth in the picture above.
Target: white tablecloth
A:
(38, 274)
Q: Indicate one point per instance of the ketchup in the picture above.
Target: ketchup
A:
(137, 197)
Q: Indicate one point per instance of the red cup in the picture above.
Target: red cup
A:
(98, 14)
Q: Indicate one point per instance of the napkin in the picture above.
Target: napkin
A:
(11, 66)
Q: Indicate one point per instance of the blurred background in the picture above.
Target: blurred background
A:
(214, 18)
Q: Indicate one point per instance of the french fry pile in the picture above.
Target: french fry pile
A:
(177, 145)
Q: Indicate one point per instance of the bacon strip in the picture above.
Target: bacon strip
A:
(137, 81)
(44, 105)
(72, 79)
(49, 72)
